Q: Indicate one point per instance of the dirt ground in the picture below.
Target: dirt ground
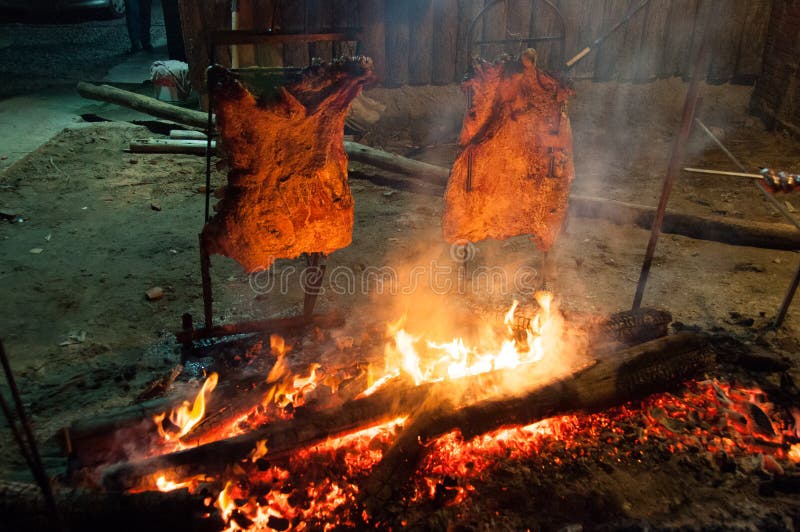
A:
(101, 226)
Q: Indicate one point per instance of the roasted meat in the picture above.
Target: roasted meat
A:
(518, 137)
(287, 190)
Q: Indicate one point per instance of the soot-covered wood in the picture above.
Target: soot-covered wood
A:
(287, 188)
(519, 139)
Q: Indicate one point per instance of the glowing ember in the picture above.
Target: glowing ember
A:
(186, 416)
(168, 485)
(318, 488)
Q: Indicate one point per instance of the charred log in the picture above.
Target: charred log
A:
(98, 439)
(634, 373)
(22, 509)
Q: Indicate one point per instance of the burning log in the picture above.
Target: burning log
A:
(287, 189)
(631, 374)
(99, 439)
(628, 374)
(115, 435)
(515, 169)
(22, 508)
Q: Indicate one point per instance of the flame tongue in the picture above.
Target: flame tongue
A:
(187, 416)
(432, 361)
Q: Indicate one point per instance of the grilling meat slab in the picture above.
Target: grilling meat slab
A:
(518, 136)
(287, 190)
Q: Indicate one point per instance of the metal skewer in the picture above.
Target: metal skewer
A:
(27, 442)
(790, 292)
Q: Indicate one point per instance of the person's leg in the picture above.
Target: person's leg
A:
(145, 7)
(132, 20)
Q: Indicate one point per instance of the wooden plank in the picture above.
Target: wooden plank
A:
(678, 41)
(518, 24)
(609, 54)
(704, 23)
(292, 20)
(630, 55)
(494, 28)
(467, 10)
(753, 40)
(320, 18)
(724, 47)
(197, 21)
(656, 17)
(584, 23)
(397, 37)
(245, 53)
(372, 40)
(345, 17)
(265, 17)
(544, 22)
(420, 46)
(445, 36)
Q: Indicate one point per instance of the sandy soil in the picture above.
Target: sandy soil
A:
(102, 226)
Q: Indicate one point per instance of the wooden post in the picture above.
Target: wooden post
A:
(373, 34)
(494, 29)
(445, 35)
(420, 52)
(467, 10)
(293, 21)
(397, 44)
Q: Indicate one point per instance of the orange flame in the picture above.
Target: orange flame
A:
(187, 416)
(456, 359)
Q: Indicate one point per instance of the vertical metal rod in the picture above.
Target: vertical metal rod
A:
(787, 300)
(38, 469)
(719, 144)
(209, 130)
(205, 277)
(312, 282)
(12, 424)
(676, 156)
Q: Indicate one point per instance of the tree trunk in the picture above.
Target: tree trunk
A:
(143, 104)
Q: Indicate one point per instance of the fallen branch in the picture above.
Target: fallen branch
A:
(716, 228)
(396, 163)
(143, 104)
(723, 229)
(171, 145)
(639, 371)
(95, 440)
(644, 375)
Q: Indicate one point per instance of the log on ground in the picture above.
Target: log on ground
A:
(143, 104)
(396, 400)
(631, 374)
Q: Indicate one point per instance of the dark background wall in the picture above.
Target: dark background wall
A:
(777, 93)
(421, 42)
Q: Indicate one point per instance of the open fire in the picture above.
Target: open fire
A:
(326, 485)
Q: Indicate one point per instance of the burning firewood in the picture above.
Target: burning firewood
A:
(647, 368)
(514, 172)
(632, 373)
(287, 188)
(94, 440)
